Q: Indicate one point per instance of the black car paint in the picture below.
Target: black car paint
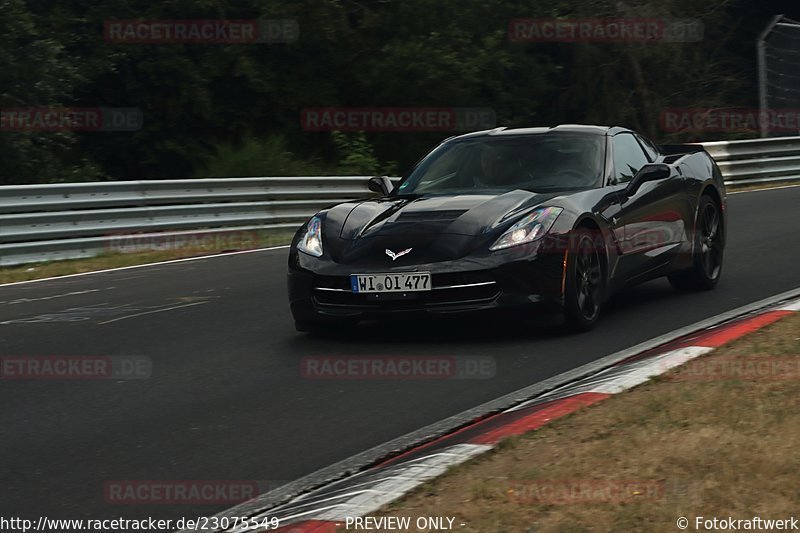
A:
(645, 234)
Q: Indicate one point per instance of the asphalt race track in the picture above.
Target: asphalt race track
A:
(226, 399)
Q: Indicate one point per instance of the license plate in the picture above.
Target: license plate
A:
(392, 282)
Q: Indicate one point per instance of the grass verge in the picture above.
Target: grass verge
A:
(173, 250)
(717, 437)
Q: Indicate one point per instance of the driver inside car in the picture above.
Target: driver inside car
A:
(559, 162)
(496, 170)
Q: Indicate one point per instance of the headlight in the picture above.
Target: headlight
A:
(311, 242)
(529, 229)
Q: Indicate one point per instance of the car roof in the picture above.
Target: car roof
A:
(571, 128)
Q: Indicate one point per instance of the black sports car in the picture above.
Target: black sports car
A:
(560, 217)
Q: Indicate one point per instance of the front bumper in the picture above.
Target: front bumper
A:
(319, 289)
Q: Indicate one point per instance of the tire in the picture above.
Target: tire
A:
(708, 251)
(585, 283)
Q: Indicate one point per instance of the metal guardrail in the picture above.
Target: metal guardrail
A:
(77, 220)
(756, 161)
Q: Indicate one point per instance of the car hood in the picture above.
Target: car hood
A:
(437, 228)
(464, 214)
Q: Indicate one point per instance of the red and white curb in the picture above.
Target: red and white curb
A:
(327, 508)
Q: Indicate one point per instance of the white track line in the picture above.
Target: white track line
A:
(153, 311)
(169, 262)
(29, 300)
(764, 189)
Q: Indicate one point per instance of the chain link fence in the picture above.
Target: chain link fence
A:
(778, 75)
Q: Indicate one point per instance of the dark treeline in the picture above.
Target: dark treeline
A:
(235, 109)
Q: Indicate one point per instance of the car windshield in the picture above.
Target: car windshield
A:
(536, 162)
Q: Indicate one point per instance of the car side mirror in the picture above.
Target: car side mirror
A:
(650, 172)
(380, 184)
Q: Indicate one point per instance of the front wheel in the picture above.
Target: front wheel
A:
(708, 251)
(584, 289)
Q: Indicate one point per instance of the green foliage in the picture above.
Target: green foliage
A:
(212, 109)
(269, 156)
(35, 71)
(357, 157)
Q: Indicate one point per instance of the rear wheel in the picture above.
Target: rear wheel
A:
(708, 251)
(584, 290)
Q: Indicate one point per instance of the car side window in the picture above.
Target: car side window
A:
(628, 157)
(649, 148)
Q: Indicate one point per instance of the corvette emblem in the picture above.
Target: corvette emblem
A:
(394, 256)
